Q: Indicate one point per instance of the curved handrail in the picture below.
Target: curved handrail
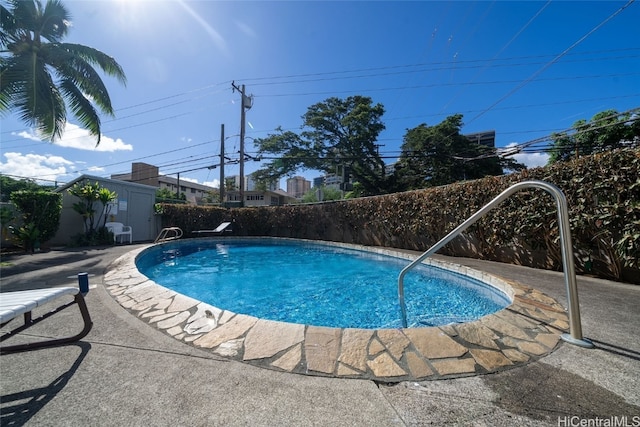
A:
(177, 233)
(575, 325)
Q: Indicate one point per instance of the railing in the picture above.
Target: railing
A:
(169, 233)
(575, 325)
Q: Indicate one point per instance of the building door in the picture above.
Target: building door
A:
(141, 216)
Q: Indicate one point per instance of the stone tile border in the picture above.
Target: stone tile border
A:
(524, 331)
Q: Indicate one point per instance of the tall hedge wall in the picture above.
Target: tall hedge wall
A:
(603, 195)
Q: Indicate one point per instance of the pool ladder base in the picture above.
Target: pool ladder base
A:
(585, 343)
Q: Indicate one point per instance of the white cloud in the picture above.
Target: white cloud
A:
(94, 169)
(195, 181)
(530, 160)
(76, 137)
(215, 183)
(47, 167)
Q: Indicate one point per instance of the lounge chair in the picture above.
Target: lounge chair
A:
(225, 226)
(14, 304)
(119, 229)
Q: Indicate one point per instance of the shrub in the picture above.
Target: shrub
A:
(40, 215)
(602, 191)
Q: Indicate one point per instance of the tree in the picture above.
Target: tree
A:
(440, 154)
(606, 130)
(211, 196)
(230, 184)
(9, 185)
(164, 195)
(89, 195)
(328, 194)
(337, 133)
(40, 217)
(40, 75)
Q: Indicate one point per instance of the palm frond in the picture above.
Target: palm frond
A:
(81, 107)
(96, 57)
(39, 103)
(31, 34)
(25, 14)
(7, 26)
(75, 69)
(54, 21)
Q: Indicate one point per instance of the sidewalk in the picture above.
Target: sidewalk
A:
(128, 373)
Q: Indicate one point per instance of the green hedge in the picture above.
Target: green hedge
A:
(40, 216)
(603, 194)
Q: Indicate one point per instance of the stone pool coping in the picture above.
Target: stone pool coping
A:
(526, 330)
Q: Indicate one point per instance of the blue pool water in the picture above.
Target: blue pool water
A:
(315, 284)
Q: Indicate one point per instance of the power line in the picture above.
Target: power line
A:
(553, 61)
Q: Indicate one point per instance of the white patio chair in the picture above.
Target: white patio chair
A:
(118, 229)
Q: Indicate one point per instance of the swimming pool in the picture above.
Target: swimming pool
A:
(316, 284)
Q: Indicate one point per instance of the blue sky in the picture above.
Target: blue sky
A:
(523, 69)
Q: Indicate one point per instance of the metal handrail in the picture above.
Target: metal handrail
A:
(575, 325)
(162, 237)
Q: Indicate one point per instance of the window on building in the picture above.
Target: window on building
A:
(193, 191)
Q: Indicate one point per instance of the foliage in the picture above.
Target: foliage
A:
(106, 196)
(8, 185)
(90, 195)
(211, 196)
(40, 75)
(602, 191)
(164, 195)
(605, 131)
(40, 215)
(6, 216)
(27, 237)
(230, 184)
(440, 154)
(328, 194)
(101, 236)
(337, 133)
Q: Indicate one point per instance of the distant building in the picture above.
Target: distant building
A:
(255, 193)
(259, 198)
(486, 138)
(143, 173)
(250, 184)
(298, 186)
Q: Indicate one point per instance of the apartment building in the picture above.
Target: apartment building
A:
(144, 173)
(298, 186)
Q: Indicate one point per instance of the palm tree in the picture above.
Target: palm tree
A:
(40, 76)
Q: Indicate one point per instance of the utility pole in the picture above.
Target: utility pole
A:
(246, 102)
(222, 164)
(178, 189)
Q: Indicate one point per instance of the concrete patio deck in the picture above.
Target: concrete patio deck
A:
(128, 372)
